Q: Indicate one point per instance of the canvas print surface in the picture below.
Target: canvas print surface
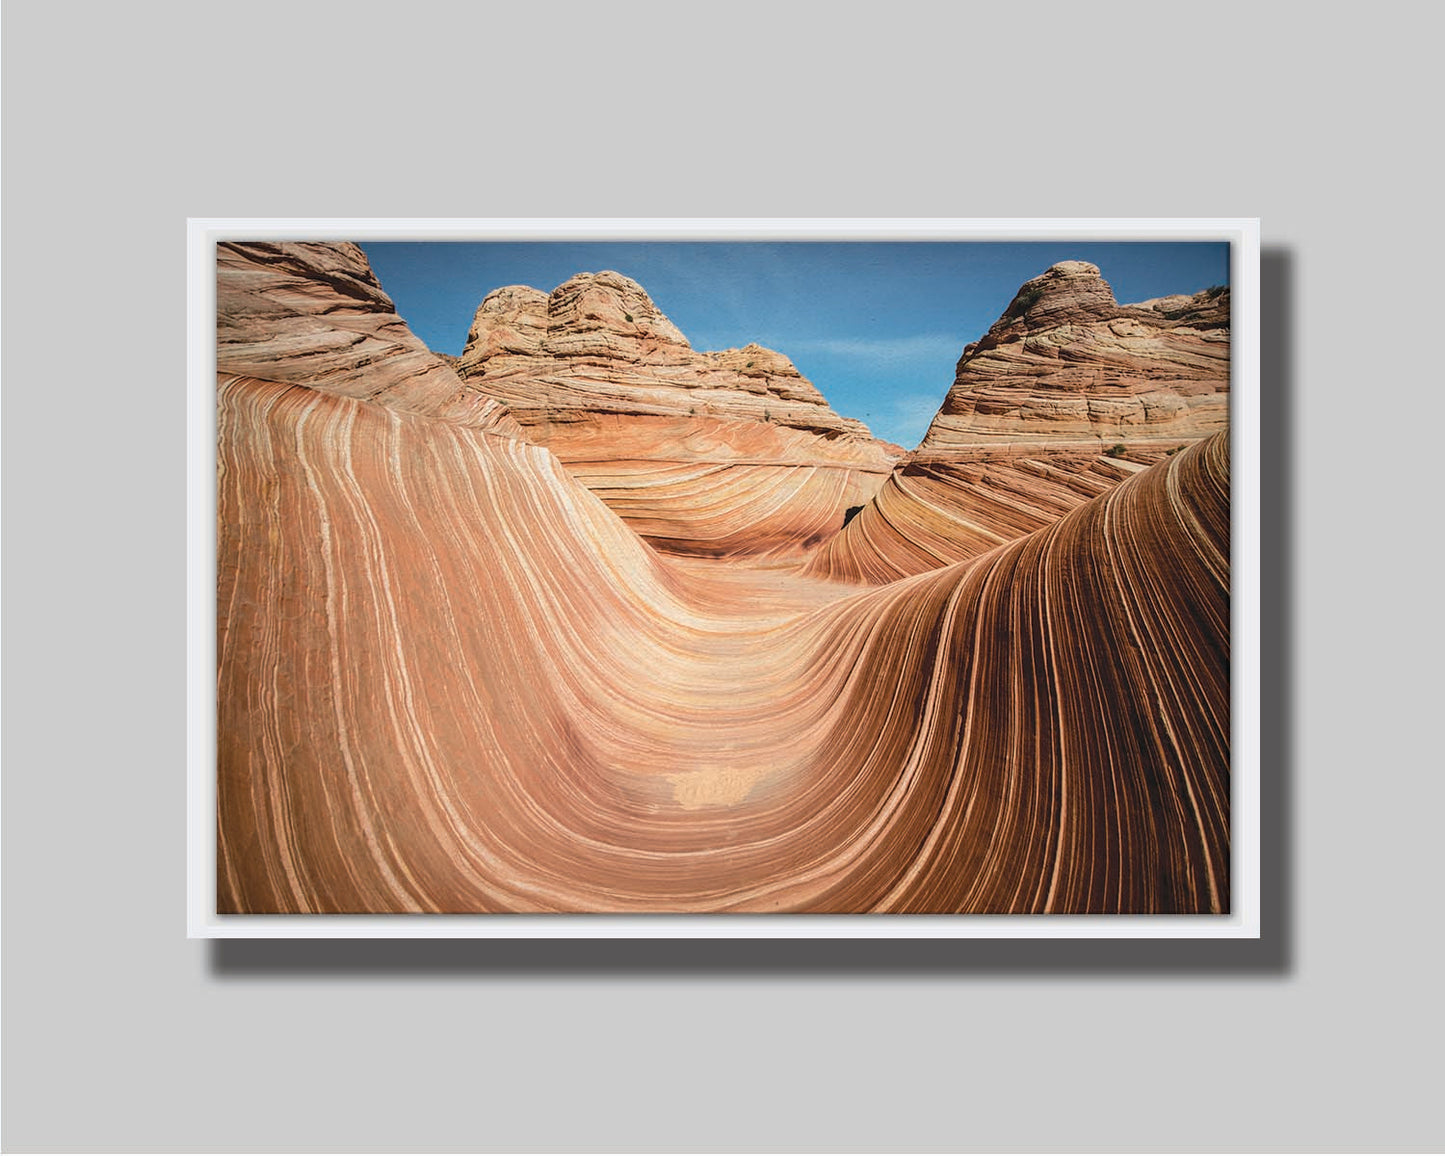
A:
(723, 577)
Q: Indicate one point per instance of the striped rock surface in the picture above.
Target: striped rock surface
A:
(714, 454)
(451, 680)
(1068, 394)
(937, 509)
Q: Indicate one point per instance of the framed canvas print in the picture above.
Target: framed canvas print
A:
(723, 578)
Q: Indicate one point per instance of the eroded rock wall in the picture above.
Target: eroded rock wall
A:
(725, 453)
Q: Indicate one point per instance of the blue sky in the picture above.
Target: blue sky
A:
(878, 327)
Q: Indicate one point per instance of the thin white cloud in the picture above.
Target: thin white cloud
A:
(905, 418)
(882, 348)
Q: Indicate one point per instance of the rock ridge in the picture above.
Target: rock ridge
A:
(598, 342)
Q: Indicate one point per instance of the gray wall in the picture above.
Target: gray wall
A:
(122, 120)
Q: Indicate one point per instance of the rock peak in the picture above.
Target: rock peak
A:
(608, 278)
(612, 303)
(1067, 291)
(1072, 269)
(508, 295)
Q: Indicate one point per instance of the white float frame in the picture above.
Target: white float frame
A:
(203, 922)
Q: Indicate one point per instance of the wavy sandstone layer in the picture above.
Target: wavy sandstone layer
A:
(714, 454)
(936, 511)
(1068, 394)
(451, 680)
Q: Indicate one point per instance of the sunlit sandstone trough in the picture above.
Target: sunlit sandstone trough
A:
(451, 679)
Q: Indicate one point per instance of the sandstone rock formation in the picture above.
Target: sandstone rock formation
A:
(450, 679)
(1066, 395)
(314, 312)
(1066, 363)
(733, 452)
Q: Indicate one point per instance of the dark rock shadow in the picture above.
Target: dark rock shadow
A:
(1101, 959)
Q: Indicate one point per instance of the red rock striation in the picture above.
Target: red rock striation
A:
(1066, 395)
(733, 452)
(450, 679)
